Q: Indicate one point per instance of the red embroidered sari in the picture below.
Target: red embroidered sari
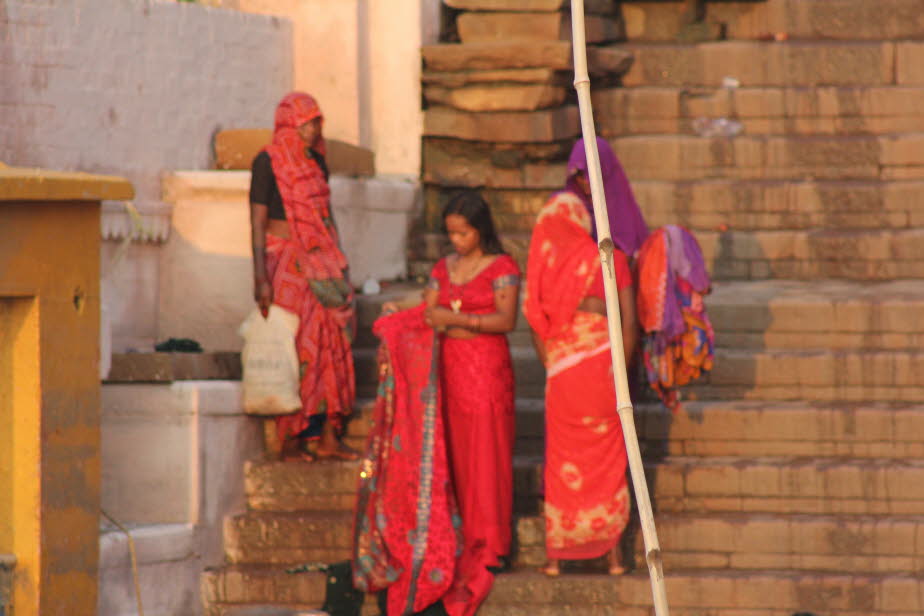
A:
(406, 525)
(586, 493)
(478, 398)
(308, 272)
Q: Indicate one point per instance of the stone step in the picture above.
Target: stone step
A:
(784, 485)
(764, 429)
(780, 204)
(739, 428)
(773, 484)
(677, 484)
(826, 314)
(546, 126)
(519, 54)
(229, 590)
(679, 158)
(712, 592)
(872, 544)
(288, 538)
(821, 376)
(689, 541)
(595, 7)
(479, 27)
(862, 255)
(796, 19)
(790, 63)
(292, 486)
(690, 593)
(835, 110)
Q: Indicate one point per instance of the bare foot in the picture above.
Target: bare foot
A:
(339, 451)
(615, 565)
(551, 568)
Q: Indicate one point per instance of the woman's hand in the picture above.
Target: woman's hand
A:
(263, 294)
(439, 317)
(389, 308)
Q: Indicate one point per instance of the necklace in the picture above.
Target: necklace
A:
(455, 289)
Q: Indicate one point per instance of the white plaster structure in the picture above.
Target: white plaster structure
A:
(133, 88)
(172, 458)
(206, 274)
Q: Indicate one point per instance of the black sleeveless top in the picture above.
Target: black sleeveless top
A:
(263, 187)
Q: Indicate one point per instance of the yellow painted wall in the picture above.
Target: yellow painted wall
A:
(49, 387)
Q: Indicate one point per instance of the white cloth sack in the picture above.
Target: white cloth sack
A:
(270, 362)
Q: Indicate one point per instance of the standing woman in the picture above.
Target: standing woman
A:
(586, 492)
(472, 298)
(299, 266)
(627, 225)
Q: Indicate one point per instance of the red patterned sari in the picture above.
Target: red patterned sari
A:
(586, 494)
(406, 525)
(309, 275)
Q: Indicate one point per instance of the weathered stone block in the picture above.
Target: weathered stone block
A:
(762, 64)
(909, 63)
(479, 27)
(526, 6)
(497, 97)
(458, 79)
(498, 55)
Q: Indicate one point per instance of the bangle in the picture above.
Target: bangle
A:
(474, 322)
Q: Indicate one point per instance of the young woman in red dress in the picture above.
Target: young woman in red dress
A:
(472, 297)
(433, 459)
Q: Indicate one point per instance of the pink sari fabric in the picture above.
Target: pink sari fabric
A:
(586, 493)
(406, 525)
(309, 275)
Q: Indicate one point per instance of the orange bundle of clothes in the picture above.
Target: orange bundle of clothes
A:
(679, 339)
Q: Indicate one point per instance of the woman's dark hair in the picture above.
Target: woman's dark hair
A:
(474, 209)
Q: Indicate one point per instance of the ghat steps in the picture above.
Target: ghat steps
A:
(791, 479)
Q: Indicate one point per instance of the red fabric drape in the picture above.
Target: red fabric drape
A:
(405, 530)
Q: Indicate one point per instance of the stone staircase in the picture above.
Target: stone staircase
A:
(791, 480)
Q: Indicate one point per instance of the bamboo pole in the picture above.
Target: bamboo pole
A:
(606, 246)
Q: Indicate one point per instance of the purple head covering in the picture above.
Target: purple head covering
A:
(627, 225)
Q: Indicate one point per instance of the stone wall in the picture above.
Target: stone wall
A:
(501, 113)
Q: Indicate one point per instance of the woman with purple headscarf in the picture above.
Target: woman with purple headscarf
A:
(586, 494)
(627, 226)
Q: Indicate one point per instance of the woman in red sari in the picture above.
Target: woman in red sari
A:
(299, 266)
(471, 300)
(586, 493)
(472, 295)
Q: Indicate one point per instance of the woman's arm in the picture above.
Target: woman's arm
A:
(501, 321)
(539, 345)
(629, 322)
(262, 289)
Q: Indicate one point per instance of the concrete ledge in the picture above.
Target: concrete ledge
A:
(26, 184)
(168, 570)
(169, 367)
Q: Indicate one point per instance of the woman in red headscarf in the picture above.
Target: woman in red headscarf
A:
(586, 493)
(298, 265)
